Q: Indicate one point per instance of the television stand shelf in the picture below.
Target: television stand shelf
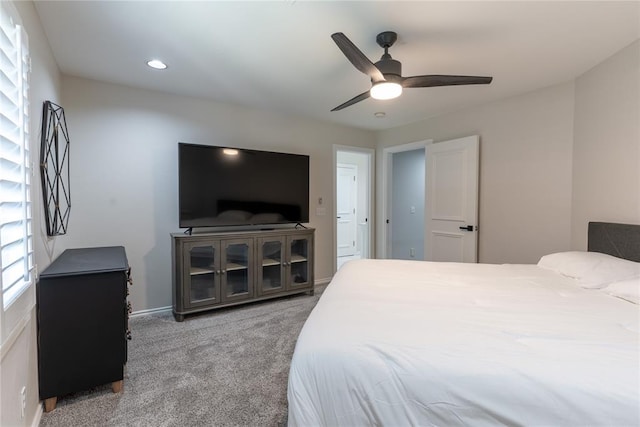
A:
(221, 269)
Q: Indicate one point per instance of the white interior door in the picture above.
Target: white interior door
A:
(451, 232)
(346, 200)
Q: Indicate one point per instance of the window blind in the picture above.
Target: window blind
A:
(16, 236)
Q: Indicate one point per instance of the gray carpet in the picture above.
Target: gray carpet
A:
(225, 368)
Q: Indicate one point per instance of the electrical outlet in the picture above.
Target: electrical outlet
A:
(412, 252)
(23, 401)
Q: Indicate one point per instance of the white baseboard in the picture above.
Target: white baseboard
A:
(150, 311)
(324, 281)
(38, 416)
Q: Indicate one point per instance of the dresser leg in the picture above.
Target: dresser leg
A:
(50, 404)
(116, 386)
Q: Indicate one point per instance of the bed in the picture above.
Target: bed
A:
(423, 343)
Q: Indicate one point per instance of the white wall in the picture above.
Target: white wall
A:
(18, 365)
(525, 170)
(606, 148)
(124, 145)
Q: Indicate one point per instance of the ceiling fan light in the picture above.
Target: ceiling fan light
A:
(386, 90)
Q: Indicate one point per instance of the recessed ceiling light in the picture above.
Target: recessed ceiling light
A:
(230, 151)
(157, 64)
(380, 114)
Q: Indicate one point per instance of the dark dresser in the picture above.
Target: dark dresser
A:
(82, 322)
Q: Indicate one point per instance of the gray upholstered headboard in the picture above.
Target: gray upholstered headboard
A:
(619, 240)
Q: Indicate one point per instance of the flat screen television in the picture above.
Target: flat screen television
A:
(220, 186)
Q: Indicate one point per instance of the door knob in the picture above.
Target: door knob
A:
(467, 228)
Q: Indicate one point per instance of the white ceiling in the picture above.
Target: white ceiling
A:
(279, 55)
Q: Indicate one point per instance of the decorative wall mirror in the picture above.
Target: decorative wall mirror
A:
(54, 169)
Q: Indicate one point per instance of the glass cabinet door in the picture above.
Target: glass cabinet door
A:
(271, 253)
(299, 262)
(237, 271)
(201, 278)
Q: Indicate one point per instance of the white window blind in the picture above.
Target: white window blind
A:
(16, 237)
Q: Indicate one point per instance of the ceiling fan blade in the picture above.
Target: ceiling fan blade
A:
(357, 58)
(443, 80)
(361, 97)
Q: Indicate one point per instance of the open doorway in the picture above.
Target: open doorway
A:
(353, 200)
(407, 205)
(446, 174)
(403, 193)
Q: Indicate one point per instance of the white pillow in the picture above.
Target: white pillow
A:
(625, 289)
(590, 269)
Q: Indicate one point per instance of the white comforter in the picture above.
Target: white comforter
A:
(417, 343)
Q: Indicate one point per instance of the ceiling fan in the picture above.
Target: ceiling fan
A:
(386, 74)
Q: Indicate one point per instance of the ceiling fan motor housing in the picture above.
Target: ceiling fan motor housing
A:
(388, 66)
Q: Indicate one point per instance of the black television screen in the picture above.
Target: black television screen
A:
(221, 186)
